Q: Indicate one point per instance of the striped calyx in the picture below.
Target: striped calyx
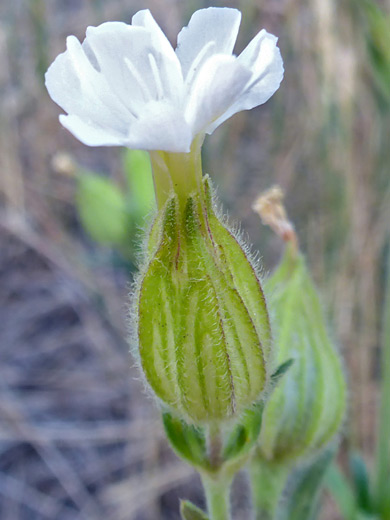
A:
(306, 409)
(203, 327)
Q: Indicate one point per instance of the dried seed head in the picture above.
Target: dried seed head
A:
(269, 206)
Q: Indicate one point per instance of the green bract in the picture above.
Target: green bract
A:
(203, 327)
(306, 409)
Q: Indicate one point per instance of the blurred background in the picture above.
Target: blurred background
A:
(79, 437)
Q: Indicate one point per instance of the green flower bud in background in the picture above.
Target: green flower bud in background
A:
(306, 410)
(203, 328)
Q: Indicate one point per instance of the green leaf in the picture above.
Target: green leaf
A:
(378, 45)
(341, 492)
(102, 209)
(361, 482)
(302, 501)
(189, 511)
(244, 435)
(186, 440)
(382, 484)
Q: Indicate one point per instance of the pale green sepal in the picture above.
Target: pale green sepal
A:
(187, 441)
(233, 260)
(241, 346)
(189, 511)
(157, 310)
(245, 433)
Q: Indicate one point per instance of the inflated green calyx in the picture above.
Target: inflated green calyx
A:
(306, 409)
(203, 327)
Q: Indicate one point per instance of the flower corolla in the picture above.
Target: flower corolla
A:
(125, 84)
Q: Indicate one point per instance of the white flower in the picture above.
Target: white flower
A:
(126, 85)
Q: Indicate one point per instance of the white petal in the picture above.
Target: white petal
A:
(218, 84)
(263, 58)
(170, 65)
(145, 19)
(91, 134)
(160, 127)
(75, 85)
(114, 44)
(217, 25)
(134, 64)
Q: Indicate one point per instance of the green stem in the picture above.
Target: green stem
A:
(267, 483)
(217, 497)
(383, 442)
(216, 484)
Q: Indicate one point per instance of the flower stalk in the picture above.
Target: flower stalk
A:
(267, 483)
(216, 482)
(217, 493)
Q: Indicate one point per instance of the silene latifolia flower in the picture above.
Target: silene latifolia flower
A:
(202, 324)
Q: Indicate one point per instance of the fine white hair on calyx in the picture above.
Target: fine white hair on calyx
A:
(135, 286)
(254, 260)
(234, 228)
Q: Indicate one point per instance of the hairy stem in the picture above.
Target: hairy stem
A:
(267, 483)
(216, 484)
(217, 497)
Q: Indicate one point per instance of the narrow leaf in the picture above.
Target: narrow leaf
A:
(280, 371)
(383, 438)
(341, 492)
(302, 501)
(189, 511)
(361, 482)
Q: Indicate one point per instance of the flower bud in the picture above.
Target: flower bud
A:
(306, 409)
(203, 327)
